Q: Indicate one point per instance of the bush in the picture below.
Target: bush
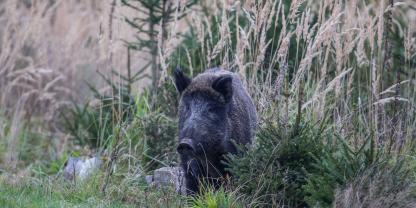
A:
(364, 176)
(216, 199)
(95, 125)
(305, 166)
(157, 135)
(274, 170)
(337, 165)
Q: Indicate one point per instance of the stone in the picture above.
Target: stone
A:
(148, 179)
(78, 168)
(170, 177)
(71, 169)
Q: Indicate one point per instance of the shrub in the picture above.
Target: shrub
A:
(216, 199)
(336, 165)
(340, 167)
(305, 167)
(274, 170)
(157, 135)
(95, 125)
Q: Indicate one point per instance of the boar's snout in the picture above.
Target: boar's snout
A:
(186, 145)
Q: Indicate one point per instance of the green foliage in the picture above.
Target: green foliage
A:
(337, 165)
(274, 170)
(192, 47)
(167, 100)
(22, 145)
(151, 14)
(216, 199)
(50, 168)
(83, 123)
(156, 140)
(55, 192)
(47, 193)
(149, 140)
(94, 125)
(361, 170)
(288, 168)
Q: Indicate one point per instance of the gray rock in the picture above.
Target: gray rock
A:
(71, 169)
(78, 168)
(148, 179)
(170, 177)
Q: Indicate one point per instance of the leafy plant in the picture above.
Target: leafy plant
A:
(150, 138)
(216, 199)
(274, 170)
(158, 133)
(336, 165)
(150, 25)
(94, 125)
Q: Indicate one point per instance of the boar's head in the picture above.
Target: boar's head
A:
(204, 123)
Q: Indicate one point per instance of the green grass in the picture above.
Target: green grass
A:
(54, 191)
(55, 194)
(216, 199)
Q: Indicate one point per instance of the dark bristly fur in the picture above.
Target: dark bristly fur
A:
(214, 111)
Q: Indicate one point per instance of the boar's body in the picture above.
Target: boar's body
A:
(214, 112)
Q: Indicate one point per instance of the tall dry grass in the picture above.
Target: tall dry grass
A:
(350, 65)
(48, 51)
(330, 58)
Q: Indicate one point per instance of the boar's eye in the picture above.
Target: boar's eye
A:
(213, 108)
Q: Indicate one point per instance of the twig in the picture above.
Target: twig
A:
(300, 101)
(109, 168)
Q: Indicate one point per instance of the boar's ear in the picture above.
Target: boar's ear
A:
(224, 85)
(181, 80)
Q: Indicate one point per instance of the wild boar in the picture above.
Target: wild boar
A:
(215, 113)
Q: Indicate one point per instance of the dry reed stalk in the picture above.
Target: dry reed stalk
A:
(323, 34)
(222, 44)
(12, 139)
(350, 25)
(261, 22)
(167, 45)
(330, 86)
(280, 80)
(375, 96)
(110, 33)
(393, 88)
(380, 24)
(273, 13)
(239, 57)
(323, 76)
(43, 65)
(335, 48)
(210, 36)
(360, 53)
(41, 92)
(409, 43)
(339, 46)
(191, 68)
(64, 47)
